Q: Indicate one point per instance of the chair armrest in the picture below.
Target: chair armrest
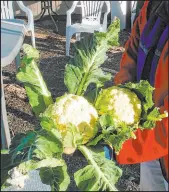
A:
(69, 12)
(105, 14)
(29, 13)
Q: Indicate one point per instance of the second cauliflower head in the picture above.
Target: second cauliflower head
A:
(121, 103)
(76, 110)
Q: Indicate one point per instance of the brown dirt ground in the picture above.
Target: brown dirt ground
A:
(52, 64)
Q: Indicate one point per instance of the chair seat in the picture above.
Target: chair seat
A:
(80, 27)
(19, 21)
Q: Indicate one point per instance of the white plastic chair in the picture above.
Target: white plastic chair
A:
(8, 13)
(91, 15)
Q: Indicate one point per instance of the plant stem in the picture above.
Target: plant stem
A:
(80, 89)
(48, 100)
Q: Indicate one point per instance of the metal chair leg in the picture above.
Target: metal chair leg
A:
(52, 8)
(47, 6)
(51, 16)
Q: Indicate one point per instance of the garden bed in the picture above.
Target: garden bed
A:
(52, 64)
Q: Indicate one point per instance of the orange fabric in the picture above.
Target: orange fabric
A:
(150, 144)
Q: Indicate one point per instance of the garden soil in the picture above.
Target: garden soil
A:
(52, 64)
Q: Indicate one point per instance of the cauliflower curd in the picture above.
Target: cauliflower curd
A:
(72, 109)
(121, 103)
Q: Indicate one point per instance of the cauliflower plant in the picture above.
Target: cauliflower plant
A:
(121, 103)
(75, 110)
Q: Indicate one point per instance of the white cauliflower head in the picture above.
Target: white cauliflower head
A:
(17, 178)
(76, 110)
(121, 103)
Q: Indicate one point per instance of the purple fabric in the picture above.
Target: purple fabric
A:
(152, 31)
(156, 57)
(140, 63)
(163, 38)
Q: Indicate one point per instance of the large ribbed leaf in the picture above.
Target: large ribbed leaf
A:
(100, 175)
(57, 177)
(90, 53)
(29, 74)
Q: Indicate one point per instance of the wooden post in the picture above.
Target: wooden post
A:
(128, 15)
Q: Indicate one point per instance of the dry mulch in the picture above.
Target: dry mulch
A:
(52, 64)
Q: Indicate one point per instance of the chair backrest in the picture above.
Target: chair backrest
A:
(7, 10)
(91, 10)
